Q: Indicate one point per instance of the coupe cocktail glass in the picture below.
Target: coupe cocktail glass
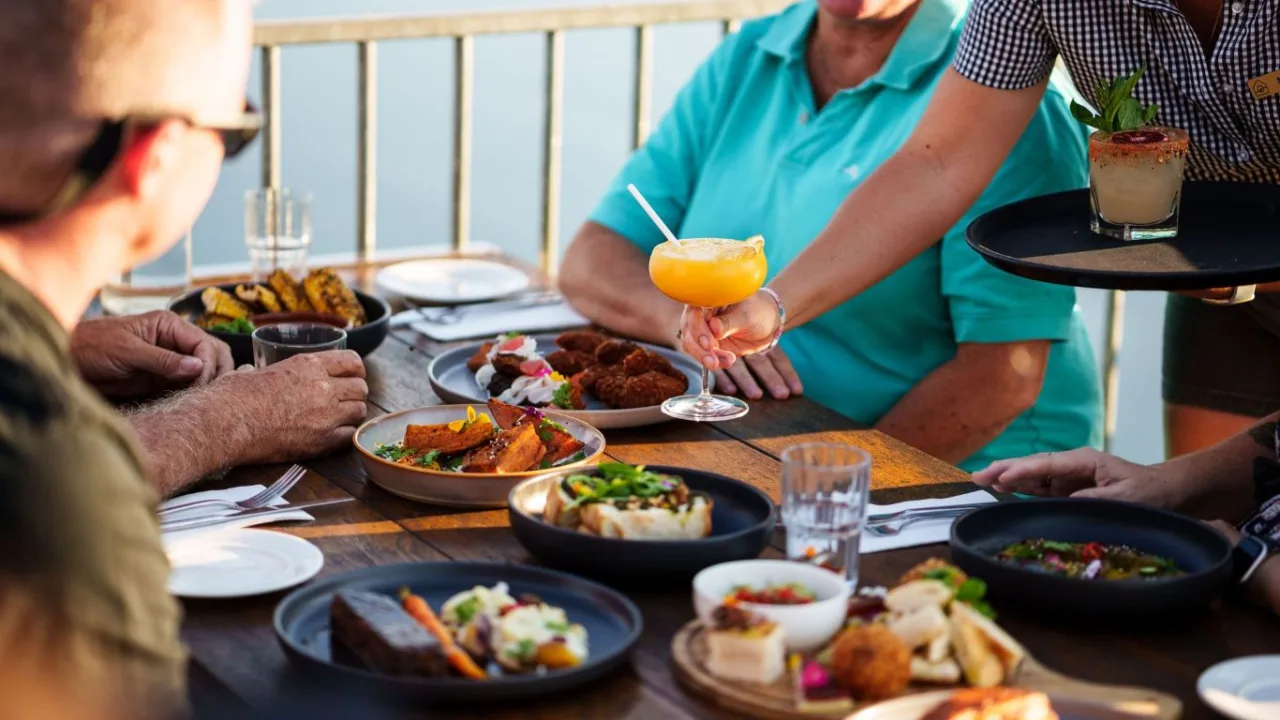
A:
(1135, 182)
(708, 273)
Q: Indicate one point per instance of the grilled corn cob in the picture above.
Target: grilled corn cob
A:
(207, 321)
(328, 294)
(259, 296)
(220, 302)
(289, 291)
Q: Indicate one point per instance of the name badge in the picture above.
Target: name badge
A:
(1265, 86)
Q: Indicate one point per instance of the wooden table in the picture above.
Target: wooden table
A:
(235, 654)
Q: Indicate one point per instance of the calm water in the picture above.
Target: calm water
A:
(414, 158)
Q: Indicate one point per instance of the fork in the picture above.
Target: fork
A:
(887, 530)
(262, 499)
(455, 314)
(889, 517)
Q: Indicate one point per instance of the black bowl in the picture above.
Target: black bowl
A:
(613, 625)
(742, 522)
(364, 339)
(1203, 553)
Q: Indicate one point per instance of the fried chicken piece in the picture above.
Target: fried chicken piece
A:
(611, 352)
(481, 358)
(508, 365)
(515, 450)
(652, 388)
(588, 378)
(500, 384)
(584, 341)
(872, 662)
(642, 361)
(575, 393)
(570, 362)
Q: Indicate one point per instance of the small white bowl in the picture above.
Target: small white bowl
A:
(805, 627)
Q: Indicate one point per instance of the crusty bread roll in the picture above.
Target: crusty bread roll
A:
(689, 522)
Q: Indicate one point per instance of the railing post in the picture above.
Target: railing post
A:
(551, 153)
(729, 27)
(1111, 367)
(367, 151)
(271, 116)
(644, 84)
(463, 74)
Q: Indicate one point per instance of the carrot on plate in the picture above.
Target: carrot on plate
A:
(419, 610)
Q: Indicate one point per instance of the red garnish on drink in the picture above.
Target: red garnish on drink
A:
(1138, 137)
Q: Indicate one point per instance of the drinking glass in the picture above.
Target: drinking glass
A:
(1135, 182)
(824, 501)
(273, 343)
(277, 230)
(704, 274)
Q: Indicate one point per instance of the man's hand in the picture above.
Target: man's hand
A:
(772, 370)
(141, 355)
(1083, 473)
(302, 407)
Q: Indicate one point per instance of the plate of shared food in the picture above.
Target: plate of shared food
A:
(230, 312)
(471, 455)
(1108, 560)
(629, 524)
(606, 382)
(928, 648)
(458, 632)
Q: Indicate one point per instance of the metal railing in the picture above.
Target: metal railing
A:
(367, 32)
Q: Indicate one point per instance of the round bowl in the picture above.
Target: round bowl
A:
(363, 340)
(742, 521)
(805, 627)
(453, 489)
(1203, 553)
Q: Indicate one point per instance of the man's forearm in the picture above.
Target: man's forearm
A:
(185, 437)
(606, 278)
(1223, 482)
(944, 417)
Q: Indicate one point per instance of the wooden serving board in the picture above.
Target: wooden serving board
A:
(777, 701)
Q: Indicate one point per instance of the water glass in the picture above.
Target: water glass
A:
(273, 343)
(824, 500)
(277, 231)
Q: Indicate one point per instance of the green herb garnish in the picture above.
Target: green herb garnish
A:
(1120, 110)
(558, 627)
(467, 609)
(395, 452)
(454, 462)
(617, 481)
(523, 650)
(971, 590)
(239, 326)
(510, 335)
(563, 396)
(429, 459)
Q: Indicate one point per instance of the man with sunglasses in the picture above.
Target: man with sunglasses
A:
(115, 119)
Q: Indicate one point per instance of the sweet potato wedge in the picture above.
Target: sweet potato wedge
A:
(559, 442)
(507, 416)
(515, 450)
(447, 440)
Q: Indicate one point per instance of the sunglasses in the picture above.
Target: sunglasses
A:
(106, 146)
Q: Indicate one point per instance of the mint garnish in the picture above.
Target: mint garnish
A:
(1120, 110)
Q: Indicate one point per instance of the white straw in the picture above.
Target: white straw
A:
(653, 215)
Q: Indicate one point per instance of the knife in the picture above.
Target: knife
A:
(925, 512)
(191, 524)
(429, 314)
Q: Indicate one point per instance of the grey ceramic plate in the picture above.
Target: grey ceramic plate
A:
(453, 382)
(453, 489)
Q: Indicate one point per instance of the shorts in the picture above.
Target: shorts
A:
(1224, 358)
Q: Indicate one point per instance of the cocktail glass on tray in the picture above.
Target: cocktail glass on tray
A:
(708, 273)
(825, 488)
(1135, 182)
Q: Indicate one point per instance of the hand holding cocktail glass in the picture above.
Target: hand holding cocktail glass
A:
(704, 274)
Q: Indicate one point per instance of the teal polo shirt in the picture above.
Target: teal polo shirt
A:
(744, 151)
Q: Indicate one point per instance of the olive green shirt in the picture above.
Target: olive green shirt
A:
(75, 477)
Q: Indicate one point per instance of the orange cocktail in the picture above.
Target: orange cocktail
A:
(708, 273)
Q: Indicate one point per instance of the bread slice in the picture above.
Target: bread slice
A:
(688, 522)
(756, 655)
(1008, 651)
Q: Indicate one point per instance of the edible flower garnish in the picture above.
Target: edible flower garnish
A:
(1120, 111)
(472, 418)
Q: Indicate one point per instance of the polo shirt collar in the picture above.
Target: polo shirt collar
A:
(925, 41)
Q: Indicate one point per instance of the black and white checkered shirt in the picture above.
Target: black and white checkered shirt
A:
(1012, 44)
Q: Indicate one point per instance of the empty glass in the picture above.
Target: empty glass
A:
(824, 500)
(277, 230)
(273, 343)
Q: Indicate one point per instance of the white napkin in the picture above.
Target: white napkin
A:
(481, 322)
(235, 494)
(920, 532)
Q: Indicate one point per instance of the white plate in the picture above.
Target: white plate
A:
(451, 280)
(1246, 688)
(238, 563)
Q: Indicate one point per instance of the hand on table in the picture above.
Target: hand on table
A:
(305, 406)
(729, 333)
(770, 370)
(141, 355)
(1083, 473)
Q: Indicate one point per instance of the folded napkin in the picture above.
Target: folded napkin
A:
(919, 532)
(235, 494)
(484, 322)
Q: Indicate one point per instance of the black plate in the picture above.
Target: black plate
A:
(613, 625)
(364, 339)
(742, 522)
(1226, 237)
(1199, 550)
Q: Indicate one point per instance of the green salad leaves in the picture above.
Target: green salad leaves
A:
(1120, 111)
(239, 326)
(618, 481)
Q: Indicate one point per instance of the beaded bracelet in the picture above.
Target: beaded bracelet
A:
(782, 319)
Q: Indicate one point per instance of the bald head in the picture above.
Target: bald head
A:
(69, 64)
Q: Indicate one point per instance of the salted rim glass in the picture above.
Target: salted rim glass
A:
(273, 343)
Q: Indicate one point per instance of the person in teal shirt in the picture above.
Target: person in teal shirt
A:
(773, 131)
